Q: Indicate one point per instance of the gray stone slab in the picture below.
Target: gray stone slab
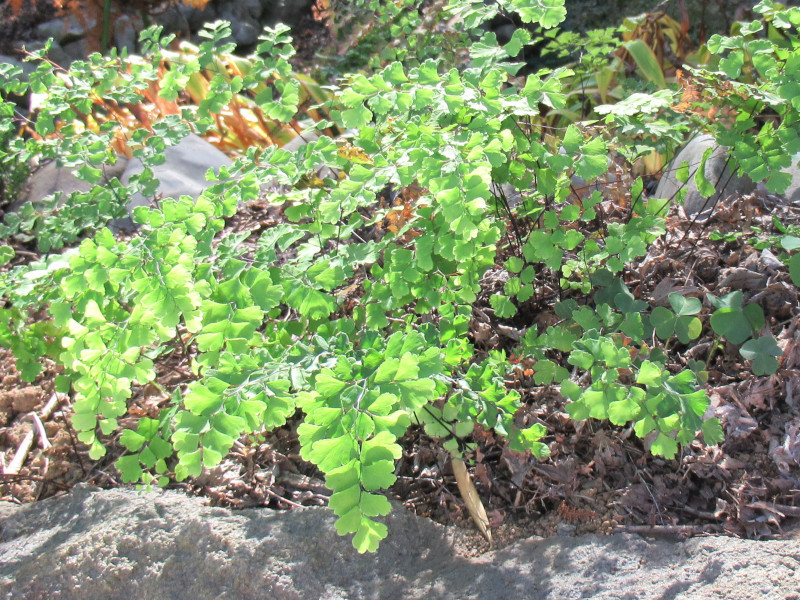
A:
(119, 544)
(50, 178)
(183, 173)
(717, 171)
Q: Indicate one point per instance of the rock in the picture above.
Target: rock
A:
(244, 28)
(67, 29)
(123, 544)
(716, 171)
(183, 173)
(126, 34)
(289, 12)
(253, 7)
(196, 17)
(792, 193)
(51, 179)
(171, 19)
(77, 50)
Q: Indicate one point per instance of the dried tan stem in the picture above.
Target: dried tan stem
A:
(24, 448)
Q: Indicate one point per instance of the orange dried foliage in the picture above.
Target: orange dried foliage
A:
(690, 94)
(573, 515)
(354, 154)
(405, 205)
(16, 6)
(693, 99)
(321, 11)
(399, 216)
(201, 4)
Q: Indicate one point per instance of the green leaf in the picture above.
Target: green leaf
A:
(356, 117)
(732, 324)
(132, 440)
(688, 328)
(514, 264)
(622, 411)
(374, 505)
(649, 373)
(130, 468)
(663, 320)
(794, 269)
(328, 385)
(712, 431)
(684, 306)
(407, 368)
(201, 400)
(332, 452)
(548, 13)
(369, 535)
(6, 254)
(790, 242)
(704, 186)
(646, 61)
(378, 475)
(732, 64)
(664, 446)
(763, 351)
(503, 306)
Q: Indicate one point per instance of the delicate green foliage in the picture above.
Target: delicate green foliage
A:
(356, 312)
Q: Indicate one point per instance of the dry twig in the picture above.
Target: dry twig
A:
(25, 446)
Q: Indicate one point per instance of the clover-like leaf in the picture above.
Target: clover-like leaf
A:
(683, 305)
(731, 323)
(763, 351)
(663, 320)
(794, 269)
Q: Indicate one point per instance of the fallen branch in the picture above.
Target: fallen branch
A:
(665, 530)
(784, 510)
(25, 446)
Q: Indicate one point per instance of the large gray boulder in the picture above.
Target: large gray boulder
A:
(111, 544)
(289, 12)
(51, 179)
(717, 171)
(792, 193)
(183, 172)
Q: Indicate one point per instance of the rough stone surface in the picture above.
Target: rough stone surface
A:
(183, 173)
(51, 179)
(122, 544)
(196, 17)
(289, 12)
(126, 32)
(792, 193)
(716, 171)
(65, 30)
(244, 28)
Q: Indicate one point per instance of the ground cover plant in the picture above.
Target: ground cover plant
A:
(418, 271)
